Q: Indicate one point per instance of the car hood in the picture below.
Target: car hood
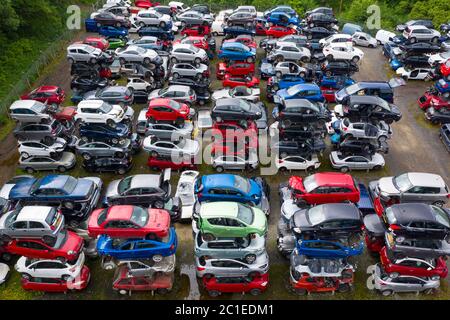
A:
(191, 146)
(300, 220)
(288, 209)
(112, 189)
(224, 93)
(260, 220)
(154, 94)
(387, 185)
(267, 68)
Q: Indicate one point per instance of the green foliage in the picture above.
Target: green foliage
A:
(436, 10)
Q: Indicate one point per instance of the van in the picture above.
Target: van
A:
(384, 36)
(350, 28)
(382, 89)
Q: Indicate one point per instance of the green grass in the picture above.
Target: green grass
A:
(6, 126)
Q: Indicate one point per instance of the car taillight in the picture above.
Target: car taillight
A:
(448, 195)
(52, 227)
(200, 268)
(345, 129)
(394, 227)
(191, 98)
(172, 247)
(280, 160)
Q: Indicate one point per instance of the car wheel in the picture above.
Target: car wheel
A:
(214, 293)
(65, 277)
(219, 169)
(250, 59)
(328, 73)
(208, 237)
(387, 293)
(6, 257)
(344, 287)
(279, 74)
(197, 61)
(93, 61)
(162, 24)
(250, 258)
(162, 291)
(122, 61)
(157, 258)
(377, 167)
(173, 60)
(429, 291)
(123, 292)
(118, 25)
(283, 169)
(300, 291)
(439, 203)
(255, 292)
(25, 155)
(435, 40)
(345, 169)
(158, 204)
(154, 154)
(329, 57)
(119, 154)
(26, 276)
(111, 123)
(413, 40)
(310, 169)
(121, 171)
(62, 169)
(371, 46)
(302, 74)
(215, 34)
(86, 156)
(142, 24)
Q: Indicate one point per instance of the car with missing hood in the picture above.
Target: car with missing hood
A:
(231, 267)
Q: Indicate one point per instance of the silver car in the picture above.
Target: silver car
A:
(29, 111)
(317, 267)
(246, 249)
(234, 162)
(61, 162)
(32, 222)
(363, 130)
(167, 131)
(83, 53)
(89, 150)
(194, 18)
(364, 39)
(346, 163)
(388, 286)
(187, 52)
(184, 148)
(289, 68)
(232, 267)
(141, 123)
(419, 248)
(183, 94)
(289, 51)
(188, 70)
(421, 33)
(411, 187)
(147, 268)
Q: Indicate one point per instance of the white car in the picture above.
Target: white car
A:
(187, 52)
(4, 272)
(152, 18)
(290, 51)
(98, 111)
(185, 191)
(421, 33)
(356, 162)
(363, 130)
(218, 23)
(289, 68)
(29, 111)
(188, 70)
(364, 40)
(179, 6)
(336, 38)
(136, 54)
(138, 84)
(384, 36)
(55, 269)
(182, 94)
(79, 52)
(438, 58)
(38, 148)
(289, 163)
(342, 52)
(180, 149)
(249, 94)
(413, 74)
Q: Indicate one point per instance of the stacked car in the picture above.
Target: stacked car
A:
(230, 228)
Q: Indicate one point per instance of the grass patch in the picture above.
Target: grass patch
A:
(6, 126)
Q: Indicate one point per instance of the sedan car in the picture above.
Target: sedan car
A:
(242, 92)
(235, 108)
(101, 132)
(89, 150)
(116, 95)
(218, 285)
(231, 267)
(345, 162)
(180, 149)
(61, 163)
(126, 221)
(308, 91)
(134, 53)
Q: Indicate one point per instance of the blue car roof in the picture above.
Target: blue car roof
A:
(307, 86)
(233, 45)
(365, 202)
(218, 180)
(54, 181)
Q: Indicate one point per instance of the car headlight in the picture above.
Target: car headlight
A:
(297, 230)
(70, 252)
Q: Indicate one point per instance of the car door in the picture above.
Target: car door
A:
(234, 227)
(414, 194)
(37, 229)
(20, 229)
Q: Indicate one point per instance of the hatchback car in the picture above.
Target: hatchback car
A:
(345, 162)
(218, 285)
(168, 110)
(181, 94)
(60, 162)
(235, 109)
(231, 267)
(124, 283)
(30, 111)
(89, 150)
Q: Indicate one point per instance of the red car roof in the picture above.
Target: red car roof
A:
(47, 89)
(334, 178)
(159, 101)
(119, 213)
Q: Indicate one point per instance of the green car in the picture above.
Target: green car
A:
(115, 43)
(230, 219)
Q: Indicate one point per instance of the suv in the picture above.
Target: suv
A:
(421, 33)
(290, 51)
(83, 53)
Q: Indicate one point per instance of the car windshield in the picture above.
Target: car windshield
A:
(310, 183)
(385, 105)
(242, 184)
(105, 107)
(70, 185)
(124, 185)
(61, 239)
(292, 91)
(195, 49)
(245, 214)
(139, 216)
(315, 215)
(353, 88)
(163, 91)
(441, 216)
(140, 50)
(244, 105)
(174, 105)
(402, 182)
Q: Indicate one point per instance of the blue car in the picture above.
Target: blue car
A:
(237, 52)
(365, 204)
(383, 89)
(283, 9)
(442, 86)
(228, 187)
(336, 82)
(77, 194)
(282, 19)
(148, 42)
(102, 132)
(113, 32)
(327, 249)
(156, 32)
(392, 52)
(237, 30)
(91, 25)
(308, 91)
(132, 249)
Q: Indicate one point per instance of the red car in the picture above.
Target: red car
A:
(260, 29)
(65, 114)
(138, 222)
(167, 110)
(51, 95)
(145, 4)
(197, 41)
(412, 266)
(228, 129)
(431, 100)
(231, 81)
(306, 284)
(57, 285)
(160, 163)
(328, 94)
(237, 68)
(280, 31)
(244, 39)
(196, 31)
(327, 187)
(67, 247)
(97, 42)
(229, 147)
(445, 69)
(125, 283)
(254, 286)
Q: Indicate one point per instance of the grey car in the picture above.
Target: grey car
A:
(167, 131)
(89, 150)
(29, 111)
(232, 267)
(388, 286)
(188, 70)
(363, 130)
(61, 162)
(345, 163)
(146, 268)
(183, 149)
(182, 94)
(419, 248)
(235, 162)
(194, 18)
(32, 222)
(113, 95)
(42, 131)
(246, 249)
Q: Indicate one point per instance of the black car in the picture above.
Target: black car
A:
(321, 20)
(110, 19)
(441, 115)
(416, 61)
(301, 132)
(324, 10)
(444, 135)
(420, 47)
(333, 219)
(299, 40)
(88, 83)
(201, 87)
(367, 108)
(317, 32)
(235, 109)
(339, 68)
(140, 97)
(117, 165)
(285, 148)
(417, 221)
(352, 146)
(164, 10)
(84, 70)
(301, 110)
(103, 132)
(240, 19)
(156, 31)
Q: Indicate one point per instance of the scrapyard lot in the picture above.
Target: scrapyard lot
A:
(415, 146)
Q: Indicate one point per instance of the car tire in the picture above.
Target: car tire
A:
(345, 169)
(25, 155)
(302, 74)
(300, 291)
(154, 154)
(86, 156)
(162, 291)
(328, 73)
(114, 140)
(387, 293)
(278, 74)
(329, 57)
(208, 237)
(26, 276)
(255, 292)
(250, 258)
(123, 292)
(158, 204)
(121, 171)
(220, 169)
(118, 25)
(162, 24)
(413, 40)
(142, 24)
(62, 169)
(355, 59)
(310, 169)
(343, 287)
(377, 167)
(214, 293)
(173, 60)
(93, 61)
(111, 123)
(250, 59)
(283, 169)
(429, 291)
(435, 40)
(65, 277)
(122, 61)
(439, 203)
(197, 61)
(71, 61)
(119, 155)
(6, 257)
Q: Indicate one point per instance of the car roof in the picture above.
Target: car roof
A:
(145, 180)
(120, 89)
(406, 212)
(286, 43)
(355, 99)
(120, 212)
(417, 27)
(334, 178)
(90, 103)
(299, 103)
(218, 180)
(46, 89)
(228, 101)
(80, 46)
(341, 211)
(24, 104)
(178, 87)
(182, 45)
(307, 86)
(426, 179)
(54, 181)
(34, 213)
(219, 209)
(233, 44)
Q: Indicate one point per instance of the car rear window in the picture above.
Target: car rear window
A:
(139, 216)
(51, 217)
(245, 214)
